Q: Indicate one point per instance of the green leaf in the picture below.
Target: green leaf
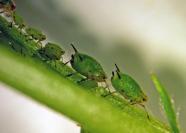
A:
(167, 105)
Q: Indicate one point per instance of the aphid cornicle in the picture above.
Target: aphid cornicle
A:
(35, 34)
(7, 6)
(87, 66)
(128, 88)
(51, 51)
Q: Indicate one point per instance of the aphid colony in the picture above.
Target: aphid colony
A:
(83, 64)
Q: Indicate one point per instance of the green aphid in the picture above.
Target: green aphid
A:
(35, 34)
(87, 66)
(18, 20)
(128, 88)
(7, 6)
(51, 51)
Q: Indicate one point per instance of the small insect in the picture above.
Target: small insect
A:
(51, 51)
(35, 34)
(7, 6)
(18, 21)
(87, 66)
(128, 88)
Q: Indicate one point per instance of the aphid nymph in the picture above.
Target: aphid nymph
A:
(128, 88)
(18, 21)
(51, 51)
(35, 34)
(87, 66)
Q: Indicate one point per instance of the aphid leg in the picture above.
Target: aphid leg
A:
(71, 74)
(107, 86)
(20, 30)
(55, 63)
(82, 80)
(22, 53)
(28, 38)
(72, 58)
(67, 62)
(110, 93)
(145, 110)
(13, 47)
(11, 24)
(39, 42)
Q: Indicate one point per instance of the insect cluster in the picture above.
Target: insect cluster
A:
(83, 64)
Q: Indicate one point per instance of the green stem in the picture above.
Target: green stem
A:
(46, 86)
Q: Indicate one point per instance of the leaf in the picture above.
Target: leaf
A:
(167, 105)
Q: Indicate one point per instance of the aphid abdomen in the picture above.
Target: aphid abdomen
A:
(127, 87)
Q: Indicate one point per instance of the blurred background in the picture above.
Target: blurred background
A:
(140, 36)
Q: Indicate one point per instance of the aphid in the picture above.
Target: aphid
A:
(87, 66)
(18, 20)
(7, 6)
(51, 51)
(35, 34)
(128, 88)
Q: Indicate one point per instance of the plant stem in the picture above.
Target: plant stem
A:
(46, 86)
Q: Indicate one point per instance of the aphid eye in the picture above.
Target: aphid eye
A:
(144, 99)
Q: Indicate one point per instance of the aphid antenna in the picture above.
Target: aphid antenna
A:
(117, 68)
(74, 48)
(112, 73)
